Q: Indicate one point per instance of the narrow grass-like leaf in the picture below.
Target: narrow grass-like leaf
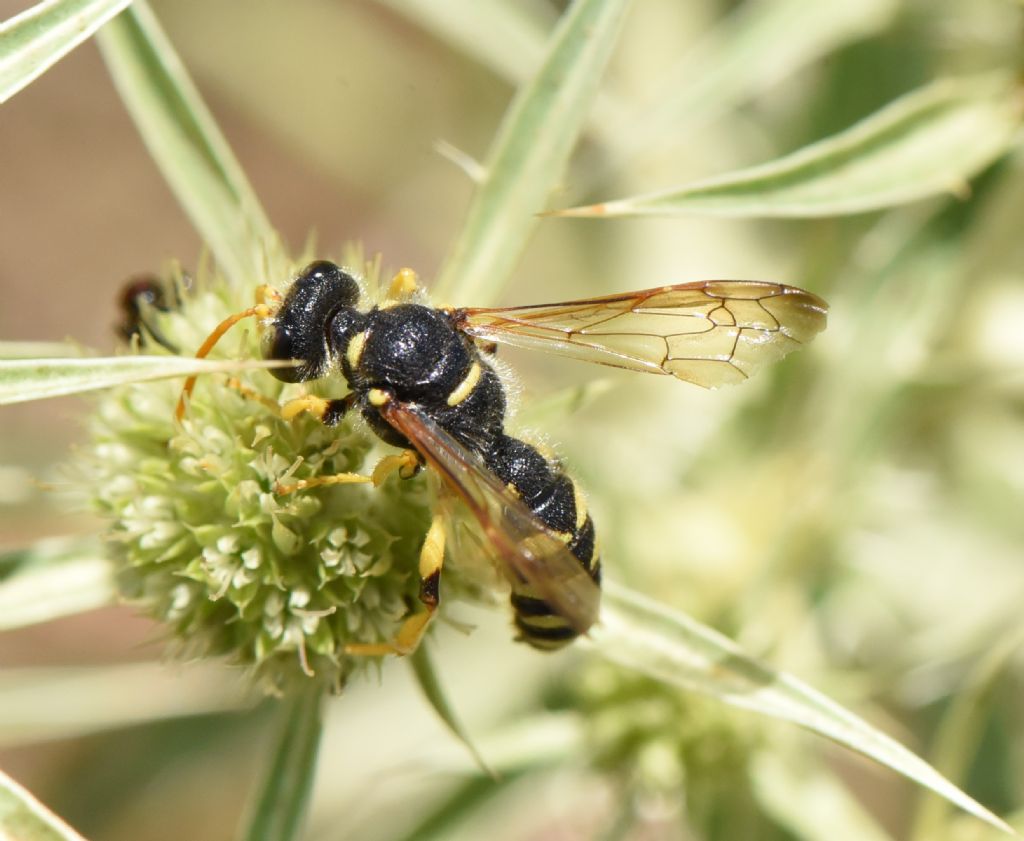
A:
(426, 676)
(530, 152)
(642, 635)
(281, 808)
(34, 701)
(761, 43)
(34, 379)
(54, 578)
(926, 143)
(189, 147)
(39, 37)
(23, 818)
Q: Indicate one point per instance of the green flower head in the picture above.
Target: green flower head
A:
(278, 582)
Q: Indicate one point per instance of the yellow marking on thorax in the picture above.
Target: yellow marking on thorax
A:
(465, 388)
(354, 351)
(377, 397)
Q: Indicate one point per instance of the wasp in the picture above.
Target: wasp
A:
(423, 379)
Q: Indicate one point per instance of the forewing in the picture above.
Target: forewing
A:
(523, 546)
(710, 333)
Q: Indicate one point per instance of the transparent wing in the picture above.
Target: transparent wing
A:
(710, 333)
(524, 548)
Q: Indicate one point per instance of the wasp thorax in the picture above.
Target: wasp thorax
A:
(301, 327)
(414, 351)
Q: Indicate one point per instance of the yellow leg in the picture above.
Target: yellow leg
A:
(252, 394)
(268, 300)
(411, 631)
(334, 479)
(407, 463)
(403, 285)
(307, 403)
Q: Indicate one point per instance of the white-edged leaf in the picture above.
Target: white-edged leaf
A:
(23, 818)
(643, 635)
(530, 151)
(56, 577)
(280, 808)
(927, 143)
(190, 150)
(36, 39)
(34, 379)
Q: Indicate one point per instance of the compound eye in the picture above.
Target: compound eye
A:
(283, 341)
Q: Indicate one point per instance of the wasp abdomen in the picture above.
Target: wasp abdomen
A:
(555, 499)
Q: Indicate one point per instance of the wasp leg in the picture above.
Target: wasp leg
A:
(411, 631)
(268, 300)
(407, 463)
(252, 394)
(328, 412)
(403, 285)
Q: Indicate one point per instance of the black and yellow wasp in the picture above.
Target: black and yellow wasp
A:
(423, 380)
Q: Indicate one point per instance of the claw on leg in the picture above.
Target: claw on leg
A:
(407, 463)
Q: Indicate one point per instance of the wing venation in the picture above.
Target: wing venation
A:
(709, 333)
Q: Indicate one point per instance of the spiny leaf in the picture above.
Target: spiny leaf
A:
(189, 148)
(33, 379)
(530, 151)
(929, 142)
(54, 578)
(23, 818)
(36, 39)
(645, 636)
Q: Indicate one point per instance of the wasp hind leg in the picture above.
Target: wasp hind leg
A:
(411, 631)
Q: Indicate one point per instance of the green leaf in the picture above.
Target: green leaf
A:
(668, 646)
(23, 818)
(56, 577)
(33, 379)
(189, 148)
(530, 151)
(426, 676)
(39, 37)
(280, 810)
(929, 142)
